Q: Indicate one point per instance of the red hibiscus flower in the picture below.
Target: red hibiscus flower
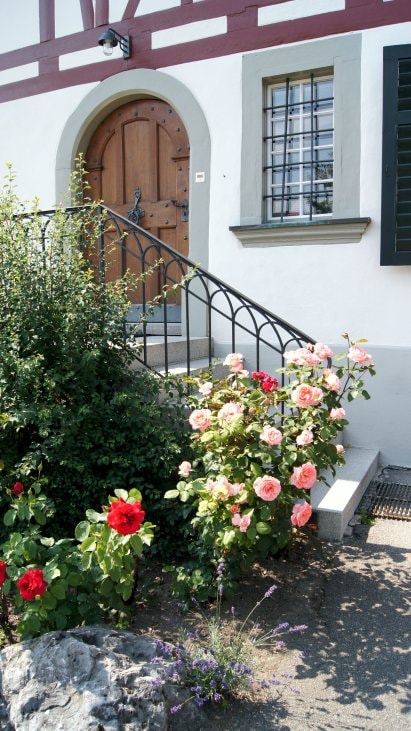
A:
(32, 584)
(125, 518)
(18, 488)
(265, 381)
(3, 572)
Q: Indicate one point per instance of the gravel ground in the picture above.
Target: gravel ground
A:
(357, 667)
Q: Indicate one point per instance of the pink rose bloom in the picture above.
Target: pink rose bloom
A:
(332, 382)
(301, 356)
(200, 419)
(184, 469)
(236, 487)
(323, 351)
(220, 488)
(229, 411)
(337, 413)
(301, 513)
(358, 354)
(235, 362)
(340, 449)
(306, 395)
(306, 437)
(271, 435)
(206, 388)
(241, 521)
(304, 477)
(267, 488)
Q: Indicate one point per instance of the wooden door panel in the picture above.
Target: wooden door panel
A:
(142, 144)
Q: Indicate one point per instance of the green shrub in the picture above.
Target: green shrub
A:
(69, 402)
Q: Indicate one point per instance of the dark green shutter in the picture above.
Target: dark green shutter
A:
(396, 157)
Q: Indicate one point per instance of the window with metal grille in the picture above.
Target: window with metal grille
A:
(396, 157)
(299, 139)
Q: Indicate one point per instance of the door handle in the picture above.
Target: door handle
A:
(184, 208)
(136, 213)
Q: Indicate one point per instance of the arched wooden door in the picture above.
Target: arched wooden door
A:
(138, 164)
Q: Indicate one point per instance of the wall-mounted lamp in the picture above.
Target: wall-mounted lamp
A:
(111, 38)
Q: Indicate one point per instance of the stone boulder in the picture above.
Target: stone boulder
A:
(90, 679)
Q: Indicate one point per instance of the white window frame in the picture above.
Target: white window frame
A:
(341, 57)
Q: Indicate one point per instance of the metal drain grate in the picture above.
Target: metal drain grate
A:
(387, 500)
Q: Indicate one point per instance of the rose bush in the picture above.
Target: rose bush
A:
(258, 448)
(56, 584)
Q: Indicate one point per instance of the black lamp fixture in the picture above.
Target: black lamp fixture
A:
(111, 38)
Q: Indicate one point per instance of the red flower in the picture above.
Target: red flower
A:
(265, 381)
(32, 584)
(234, 509)
(125, 518)
(18, 488)
(3, 572)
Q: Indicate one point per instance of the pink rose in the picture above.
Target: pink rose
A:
(271, 435)
(241, 521)
(220, 488)
(306, 437)
(332, 382)
(200, 419)
(323, 351)
(337, 413)
(304, 477)
(236, 487)
(184, 469)
(301, 513)
(306, 395)
(235, 362)
(267, 488)
(229, 411)
(301, 356)
(358, 354)
(340, 449)
(206, 388)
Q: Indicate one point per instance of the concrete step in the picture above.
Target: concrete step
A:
(335, 505)
(177, 351)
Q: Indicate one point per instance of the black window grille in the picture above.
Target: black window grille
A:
(299, 148)
(396, 157)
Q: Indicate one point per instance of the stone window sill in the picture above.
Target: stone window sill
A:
(301, 233)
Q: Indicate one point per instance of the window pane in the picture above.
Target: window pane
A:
(300, 149)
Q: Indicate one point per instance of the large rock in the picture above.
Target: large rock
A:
(89, 679)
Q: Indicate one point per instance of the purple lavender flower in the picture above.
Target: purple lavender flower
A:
(220, 568)
(176, 709)
(270, 591)
(298, 628)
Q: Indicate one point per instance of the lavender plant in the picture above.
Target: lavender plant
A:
(219, 660)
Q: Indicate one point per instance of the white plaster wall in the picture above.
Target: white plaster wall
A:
(323, 290)
(32, 143)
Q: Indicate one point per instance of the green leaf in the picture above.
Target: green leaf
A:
(95, 517)
(49, 601)
(136, 543)
(73, 578)
(9, 517)
(88, 544)
(106, 586)
(265, 512)
(82, 530)
(171, 494)
(126, 593)
(49, 542)
(39, 516)
(58, 589)
(263, 528)
(229, 537)
(136, 494)
(121, 493)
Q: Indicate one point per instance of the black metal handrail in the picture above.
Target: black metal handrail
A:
(265, 336)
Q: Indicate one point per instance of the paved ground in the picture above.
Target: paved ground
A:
(356, 674)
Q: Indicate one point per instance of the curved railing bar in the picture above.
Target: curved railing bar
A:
(242, 312)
